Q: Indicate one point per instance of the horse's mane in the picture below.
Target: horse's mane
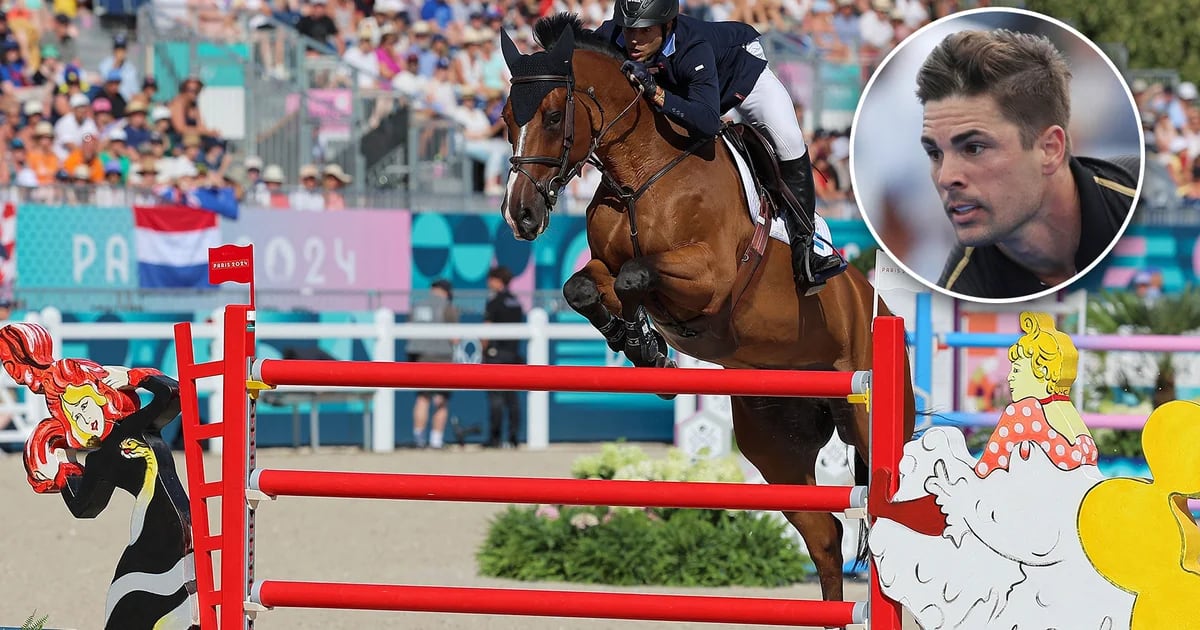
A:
(547, 30)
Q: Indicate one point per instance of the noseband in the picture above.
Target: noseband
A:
(549, 189)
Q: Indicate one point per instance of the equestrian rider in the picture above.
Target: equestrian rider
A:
(693, 71)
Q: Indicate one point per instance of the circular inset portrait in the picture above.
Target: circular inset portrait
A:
(997, 155)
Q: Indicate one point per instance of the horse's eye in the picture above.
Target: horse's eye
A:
(553, 118)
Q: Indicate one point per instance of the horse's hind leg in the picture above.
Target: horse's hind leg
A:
(587, 291)
(782, 438)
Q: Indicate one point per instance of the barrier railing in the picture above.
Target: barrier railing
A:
(242, 485)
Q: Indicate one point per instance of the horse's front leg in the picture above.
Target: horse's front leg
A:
(590, 293)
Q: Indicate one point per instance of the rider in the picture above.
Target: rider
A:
(693, 71)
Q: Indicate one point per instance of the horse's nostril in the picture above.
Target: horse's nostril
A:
(526, 217)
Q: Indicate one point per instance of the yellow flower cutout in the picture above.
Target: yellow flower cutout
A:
(1139, 534)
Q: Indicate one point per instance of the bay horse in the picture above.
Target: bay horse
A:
(666, 230)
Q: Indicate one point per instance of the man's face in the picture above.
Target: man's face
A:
(643, 43)
(989, 185)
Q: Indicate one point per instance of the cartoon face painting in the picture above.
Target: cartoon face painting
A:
(84, 407)
(1024, 382)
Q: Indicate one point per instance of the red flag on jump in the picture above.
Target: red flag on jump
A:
(231, 263)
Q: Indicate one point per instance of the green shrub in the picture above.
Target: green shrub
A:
(636, 546)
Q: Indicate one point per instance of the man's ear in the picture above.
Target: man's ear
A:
(1054, 145)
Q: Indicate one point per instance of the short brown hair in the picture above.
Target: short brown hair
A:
(1025, 73)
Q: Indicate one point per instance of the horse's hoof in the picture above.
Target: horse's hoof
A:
(664, 362)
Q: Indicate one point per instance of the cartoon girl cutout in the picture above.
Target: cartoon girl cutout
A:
(1044, 363)
(86, 400)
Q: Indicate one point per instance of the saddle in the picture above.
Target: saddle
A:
(762, 158)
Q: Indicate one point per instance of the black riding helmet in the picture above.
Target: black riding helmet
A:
(643, 13)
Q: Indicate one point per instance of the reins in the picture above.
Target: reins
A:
(549, 189)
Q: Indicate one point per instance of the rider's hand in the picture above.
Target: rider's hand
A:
(639, 74)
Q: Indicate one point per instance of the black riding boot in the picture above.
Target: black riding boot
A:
(809, 267)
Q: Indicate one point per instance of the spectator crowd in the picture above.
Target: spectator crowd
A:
(101, 134)
(108, 139)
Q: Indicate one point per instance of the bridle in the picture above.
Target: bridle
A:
(549, 188)
(629, 196)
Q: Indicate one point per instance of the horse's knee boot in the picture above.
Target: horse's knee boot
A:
(583, 295)
(642, 343)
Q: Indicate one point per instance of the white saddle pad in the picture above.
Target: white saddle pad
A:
(821, 244)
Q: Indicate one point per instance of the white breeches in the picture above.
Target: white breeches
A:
(770, 105)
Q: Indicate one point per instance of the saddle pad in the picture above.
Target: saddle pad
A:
(821, 244)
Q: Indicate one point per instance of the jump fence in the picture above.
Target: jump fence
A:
(239, 595)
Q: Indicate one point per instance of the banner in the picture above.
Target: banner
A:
(347, 250)
(75, 247)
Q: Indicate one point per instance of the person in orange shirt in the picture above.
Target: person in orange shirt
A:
(88, 155)
(42, 158)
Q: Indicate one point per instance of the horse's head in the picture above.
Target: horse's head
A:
(543, 128)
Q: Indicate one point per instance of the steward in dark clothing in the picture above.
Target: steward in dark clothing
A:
(502, 308)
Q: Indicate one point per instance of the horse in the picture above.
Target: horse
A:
(666, 230)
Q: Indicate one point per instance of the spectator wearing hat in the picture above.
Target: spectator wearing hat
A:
(316, 24)
(309, 196)
(72, 83)
(102, 114)
(71, 128)
(17, 162)
(494, 71)
(275, 198)
(143, 174)
(13, 76)
(467, 64)
(116, 149)
(439, 92)
(87, 157)
(185, 112)
(110, 90)
(481, 143)
(49, 70)
(193, 149)
(160, 123)
(42, 158)
(148, 92)
(129, 82)
(437, 55)
(253, 166)
(335, 179)
(112, 192)
(137, 124)
(31, 111)
(361, 59)
(409, 81)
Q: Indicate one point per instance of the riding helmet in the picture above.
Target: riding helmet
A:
(643, 13)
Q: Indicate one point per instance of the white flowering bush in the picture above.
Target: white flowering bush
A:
(672, 547)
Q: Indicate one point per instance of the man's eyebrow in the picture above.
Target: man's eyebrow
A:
(957, 139)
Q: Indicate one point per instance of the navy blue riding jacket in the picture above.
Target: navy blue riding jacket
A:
(703, 69)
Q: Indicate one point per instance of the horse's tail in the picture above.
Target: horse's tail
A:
(862, 477)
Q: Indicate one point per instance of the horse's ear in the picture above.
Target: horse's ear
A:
(564, 47)
(511, 54)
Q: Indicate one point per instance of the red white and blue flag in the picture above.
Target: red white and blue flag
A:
(172, 244)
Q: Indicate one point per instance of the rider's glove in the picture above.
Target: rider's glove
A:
(638, 73)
